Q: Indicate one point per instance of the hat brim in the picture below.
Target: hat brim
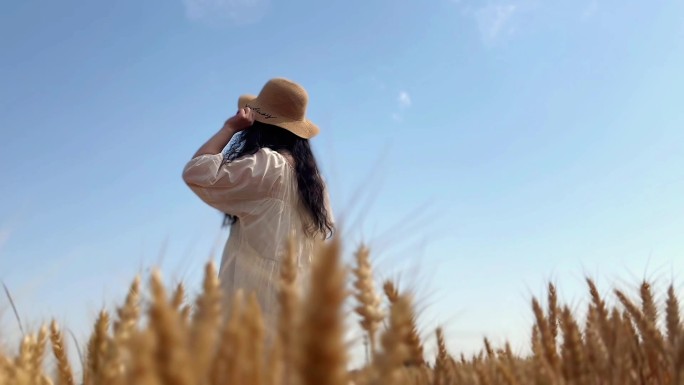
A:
(303, 128)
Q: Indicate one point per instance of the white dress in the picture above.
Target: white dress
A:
(261, 191)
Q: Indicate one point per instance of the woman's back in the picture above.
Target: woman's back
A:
(261, 191)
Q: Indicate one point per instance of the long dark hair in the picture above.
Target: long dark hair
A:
(309, 182)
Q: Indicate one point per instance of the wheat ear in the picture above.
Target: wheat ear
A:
(205, 324)
(368, 301)
(97, 350)
(323, 357)
(672, 320)
(289, 312)
(171, 354)
(64, 373)
(395, 350)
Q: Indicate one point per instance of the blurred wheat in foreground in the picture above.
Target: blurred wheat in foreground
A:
(170, 342)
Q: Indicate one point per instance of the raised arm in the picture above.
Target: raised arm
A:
(243, 119)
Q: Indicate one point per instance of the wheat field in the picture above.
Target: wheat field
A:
(166, 340)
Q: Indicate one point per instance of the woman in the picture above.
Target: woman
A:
(269, 187)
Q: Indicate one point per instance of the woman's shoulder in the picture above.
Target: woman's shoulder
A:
(263, 160)
(279, 159)
(261, 155)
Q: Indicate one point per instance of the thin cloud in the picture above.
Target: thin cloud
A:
(497, 20)
(404, 102)
(494, 20)
(235, 12)
(404, 99)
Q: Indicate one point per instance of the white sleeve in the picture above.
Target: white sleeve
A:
(237, 186)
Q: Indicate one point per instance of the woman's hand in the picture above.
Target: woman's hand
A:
(240, 121)
(243, 119)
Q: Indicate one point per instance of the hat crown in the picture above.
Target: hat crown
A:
(284, 98)
(281, 103)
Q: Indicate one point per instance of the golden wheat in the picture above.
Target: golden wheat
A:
(204, 343)
(369, 302)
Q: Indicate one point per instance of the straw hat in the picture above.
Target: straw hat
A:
(282, 103)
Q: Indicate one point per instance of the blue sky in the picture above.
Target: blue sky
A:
(482, 148)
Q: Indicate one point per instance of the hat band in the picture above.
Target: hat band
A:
(266, 115)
